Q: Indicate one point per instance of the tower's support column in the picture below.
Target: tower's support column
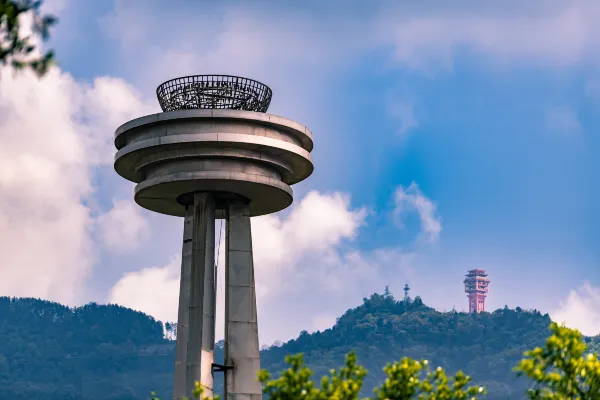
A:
(241, 328)
(194, 353)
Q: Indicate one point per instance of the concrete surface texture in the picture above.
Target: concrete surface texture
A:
(203, 165)
(255, 155)
(241, 323)
(194, 351)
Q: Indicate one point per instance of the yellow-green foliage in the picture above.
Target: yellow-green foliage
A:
(562, 369)
(405, 380)
(295, 383)
(559, 371)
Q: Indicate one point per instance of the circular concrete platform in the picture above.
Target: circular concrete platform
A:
(250, 154)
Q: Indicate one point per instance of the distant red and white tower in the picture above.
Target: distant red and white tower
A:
(476, 287)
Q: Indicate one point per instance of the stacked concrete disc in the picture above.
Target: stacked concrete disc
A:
(254, 155)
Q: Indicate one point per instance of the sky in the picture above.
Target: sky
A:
(448, 137)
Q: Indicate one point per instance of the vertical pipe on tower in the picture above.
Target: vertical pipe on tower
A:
(194, 352)
(241, 326)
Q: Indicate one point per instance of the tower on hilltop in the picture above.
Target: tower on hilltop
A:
(476, 287)
(214, 153)
(387, 292)
(406, 289)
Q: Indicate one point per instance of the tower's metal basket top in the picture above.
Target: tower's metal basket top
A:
(214, 92)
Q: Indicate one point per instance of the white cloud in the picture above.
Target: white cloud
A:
(153, 290)
(555, 34)
(581, 310)
(294, 53)
(53, 130)
(302, 251)
(316, 225)
(412, 199)
(101, 108)
(123, 226)
(422, 36)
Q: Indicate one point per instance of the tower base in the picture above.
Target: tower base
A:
(241, 324)
(197, 300)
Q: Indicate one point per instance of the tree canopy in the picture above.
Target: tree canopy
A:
(18, 46)
(562, 369)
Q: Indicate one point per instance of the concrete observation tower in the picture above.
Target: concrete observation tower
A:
(214, 153)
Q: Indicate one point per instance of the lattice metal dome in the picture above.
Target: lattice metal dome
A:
(214, 92)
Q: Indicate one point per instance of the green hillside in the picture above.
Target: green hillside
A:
(49, 351)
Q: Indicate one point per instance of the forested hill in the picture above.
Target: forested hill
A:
(52, 352)
(486, 346)
(48, 351)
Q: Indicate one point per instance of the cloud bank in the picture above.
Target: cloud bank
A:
(54, 131)
(580, 310)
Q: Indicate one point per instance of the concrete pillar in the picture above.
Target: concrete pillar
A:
(194, 353)
(241, 327)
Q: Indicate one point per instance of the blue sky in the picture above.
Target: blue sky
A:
(447, 137)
